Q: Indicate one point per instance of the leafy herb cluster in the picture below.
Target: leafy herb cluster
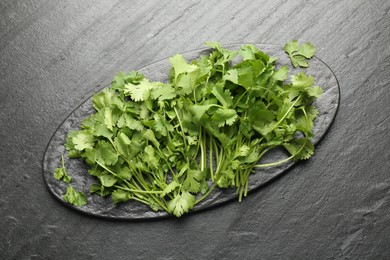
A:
(169, 145)
(71, 196)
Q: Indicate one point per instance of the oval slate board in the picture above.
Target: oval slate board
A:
(104, 207)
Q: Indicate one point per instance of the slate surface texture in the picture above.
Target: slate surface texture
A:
(54, 54)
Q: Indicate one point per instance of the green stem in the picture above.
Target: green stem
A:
(106, 168)
(211, 159)
(281, 161)
(238, 100)
(182, 130)
(284, 116)
(206, 194)
(138, 191)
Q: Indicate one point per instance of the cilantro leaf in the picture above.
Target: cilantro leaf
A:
(102, 99)
(120, 196)
(281, 74)
(108, 154)
(192, 182)
(107, 180)
(149, 135)
(161, 125)
(301, 80)
(170, 188)
(101, 129)
(180, 66)
(61, 174)
(122, 143)
(74, 197)
(231, 75)
(307, 50)
(83, 140)
(299, 53)
(163, 92)
(126, 120)
(140, 91)
(224, 116)
(315, 91)
(291, 47)
(223, 95)
(181, 203)
(301, 149)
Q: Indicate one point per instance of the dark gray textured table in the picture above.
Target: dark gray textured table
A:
(335, 206)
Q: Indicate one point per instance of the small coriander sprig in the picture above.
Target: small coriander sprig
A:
(299, 54)
(72, 196)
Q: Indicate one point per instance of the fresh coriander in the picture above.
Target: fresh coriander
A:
(61, 174)
(71, 196)
(169, 145)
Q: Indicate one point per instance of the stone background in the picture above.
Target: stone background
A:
(54, 54)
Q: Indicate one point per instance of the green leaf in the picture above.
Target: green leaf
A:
(231, 75)
(122, 143)
(224, 116)
(258, 114)
(214, 45)
(60, 173)
(133, 77)
(180, 65)
(120, 196)
(307, 50)
(121, 79)
(243, 151)
(125, 173)
(163, 92)
(102, 99)
(170, 188)
(95, 188)
(311, 112)
(91, 155)
(108, 118)
(281, 74)
(148, 156)
(199, 111)
(101, 129)
(252, 157)
(315, 91)
(181, 203)
(189, 126)
(226, 179)
(74, 197)
(301, 80)
(130, 122)
(291, 46)
(192, 182)
(108, 154)
(299, 53)
(252, 53)
(83, 140)
(161, 125)
(139, 92)
(107, 180)
(69, 145)
(223, 95)
(299, 61)
(301, 149)
(149, 135)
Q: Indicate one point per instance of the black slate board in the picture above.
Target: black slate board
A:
(103, 207)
